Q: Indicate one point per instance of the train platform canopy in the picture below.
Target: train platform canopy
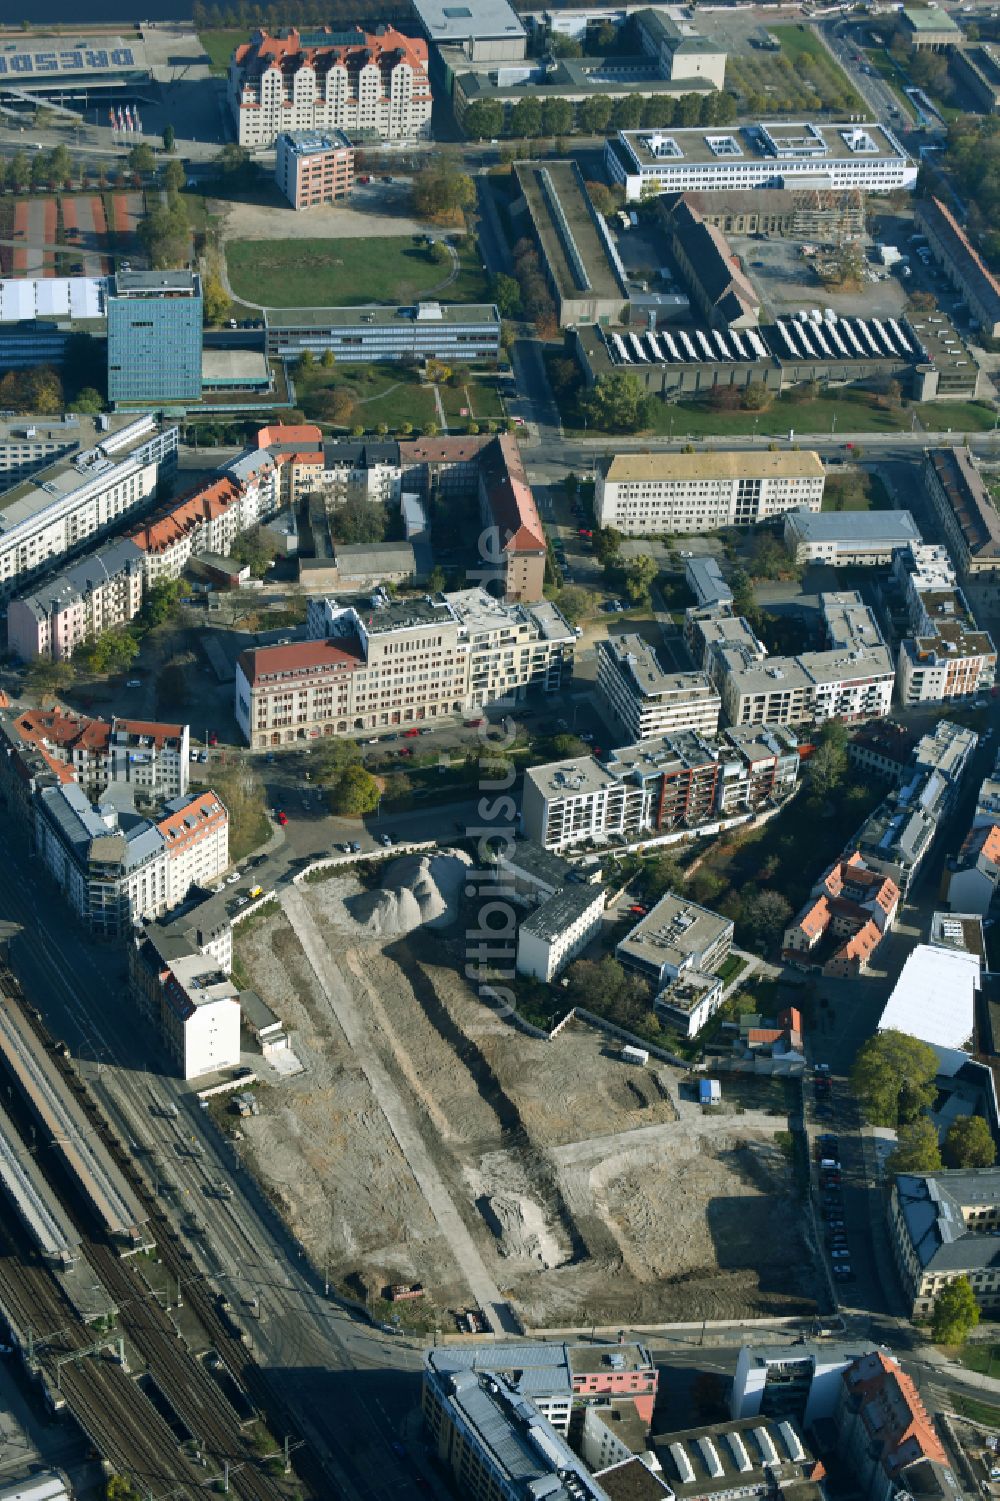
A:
(34, 61)
(77, 297)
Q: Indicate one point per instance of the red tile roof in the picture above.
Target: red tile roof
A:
(442, 450)
(185, 514)
(288, 433)
(299, 657)
(893, 1414)
(286, 50)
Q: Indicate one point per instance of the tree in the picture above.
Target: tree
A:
(506, 295)
(593, 115)
(602, 197)
(917, 1149)
(169, 138)
(45, 677)
(398, 790)
(355, 793)
(573, 602)
(174, 176)
(165, 233)
(338, 406)
(215, 298)
(162, 599)
(756, 397)
(639, 577)
(331, 759)
(969, 1143)
(358, 520)
(114, 650)
(438, 252)
(141, 159)
(557, 117)
(88, 402)
(893, 1078)
(617, 403)
(526, 119)
(825, 770)
(766, 915)
(441, 194)
(661, 875)
(604, 987)
(328, 359)
(20, 172)
(256, 548)
(172, 684)
(305, 361)
(483, 120)
(956, 1313)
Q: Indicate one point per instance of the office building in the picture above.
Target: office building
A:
(364, 335)
(942, 1226)
(399, 663)
(154, 338)
(852, 680)
(570, 802)
(954, 253)
(644, 494)
(755, 154)
(189, 998)
(100, 592)
(738, 1459)
(675, 937)
(558, 930)
(966, 512)
(886, 1437)
(848, 539)
(928, 28)
(372, 85)
(486, 31)
(800, 1382)
(643, 700)
(977, 69)
(313, 166)
(76, 501)
(581, 262)
(151, 758)
(684, 55)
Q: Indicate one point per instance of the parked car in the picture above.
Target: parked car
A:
(410, 734)
(384, 839)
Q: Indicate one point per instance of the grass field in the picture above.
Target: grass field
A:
(481, 395)
(383, 393)
(975, 1411)
(855, 412)
(219, 45)
(347, 273)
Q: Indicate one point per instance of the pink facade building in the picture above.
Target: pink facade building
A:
(313, 166)
(101, 591)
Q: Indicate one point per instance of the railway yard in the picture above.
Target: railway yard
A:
(154, 1409)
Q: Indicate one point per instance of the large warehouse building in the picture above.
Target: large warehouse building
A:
(759, 155)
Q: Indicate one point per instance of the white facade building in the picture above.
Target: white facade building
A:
(646, 701)
(568, 802)
(800, 1380)
(558, 930)
(76, 500)
(373, 86)
(195, 832)
(643, 494)
(848, 539)
(780, 154)
(200, 1016)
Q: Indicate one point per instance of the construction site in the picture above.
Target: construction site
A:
(430, 1141)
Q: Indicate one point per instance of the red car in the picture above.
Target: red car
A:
(473, 724)
(282, 819)
(213, 738)
(410, 734)
(639, 910)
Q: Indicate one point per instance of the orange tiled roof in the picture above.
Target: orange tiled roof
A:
(267, 51)
(299, 656)
(897, 1420)
(186, 514)
(815, 919)
(290, 432)
(206, 808)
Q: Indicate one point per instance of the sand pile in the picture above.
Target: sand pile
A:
(416, 890)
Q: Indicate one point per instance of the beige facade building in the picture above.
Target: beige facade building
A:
(968, 518)
(644, 493)
(374, 86)
(945, 1226)
(402, 663)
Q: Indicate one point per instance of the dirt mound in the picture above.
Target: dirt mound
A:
(417, 890)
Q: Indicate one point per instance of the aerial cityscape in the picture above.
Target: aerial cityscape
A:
(499, 773)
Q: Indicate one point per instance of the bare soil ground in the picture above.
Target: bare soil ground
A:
(592, 1190)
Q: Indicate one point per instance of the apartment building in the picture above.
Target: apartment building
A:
(101, 591)
(361, 469)
(507, 506)
(116, 868)
(29, 443)
(150, 757)
(896, 838)
(689, 1001)
(838, 930)
(801, 1382)
(950, 245)
(710, 629)
(967, 515)
(677, 936)
(245, 492)
(848, 539)
(76, 501)
(371, 85)
(189, 998)
(558, 930)
(947, 656)
(643, 700)
(886, 1437)
(195, 833)
(852, 680)
(645, 494)
(565, 803)
(942, 1226)
(313, 166)
(884, 750)
(400, 663)
(835, 155)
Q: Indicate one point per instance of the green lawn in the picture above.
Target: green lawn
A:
(980, 1355)
(853, 412)
(801, 45)
(347, 273)
(391, 394)
(974, 1410)
(219, 45)
(480, 395)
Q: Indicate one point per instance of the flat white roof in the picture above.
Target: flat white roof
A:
(51, 297)
(935, 997)
(462, 20)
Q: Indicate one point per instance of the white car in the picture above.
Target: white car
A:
(232, 878)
